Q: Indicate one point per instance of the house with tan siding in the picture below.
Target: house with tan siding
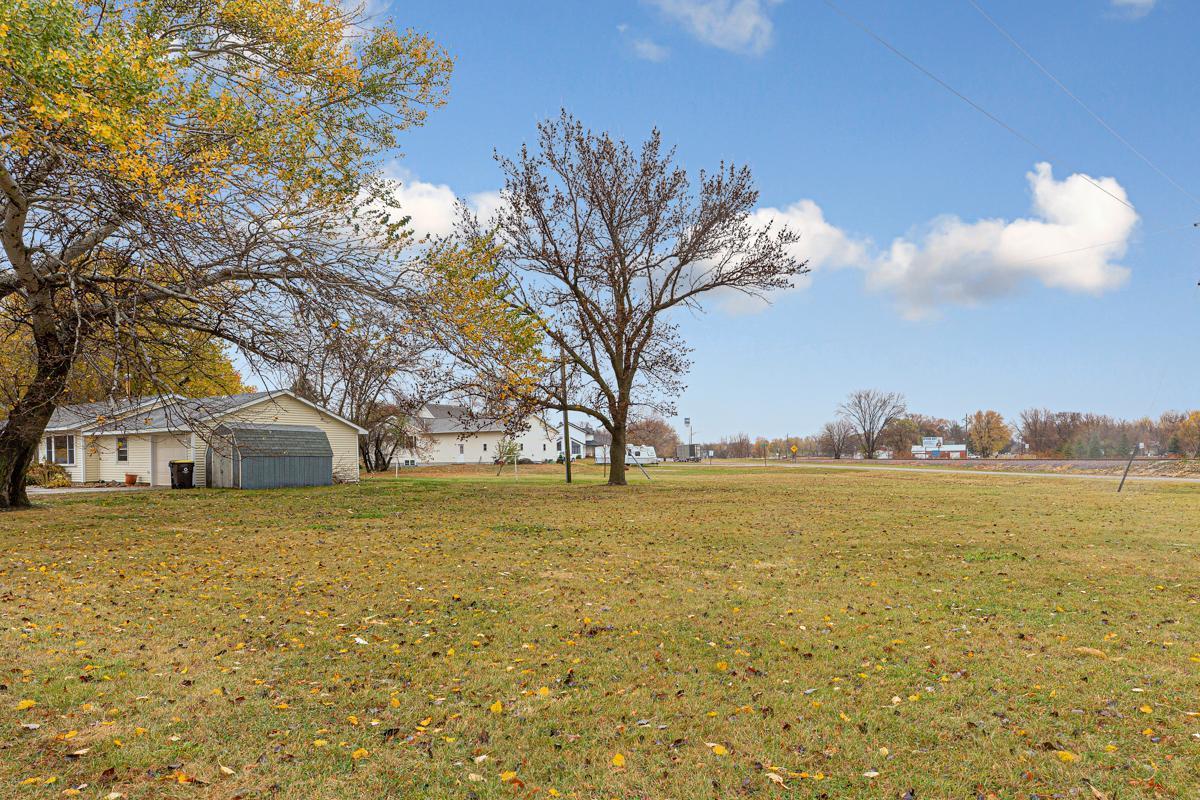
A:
(107, 441)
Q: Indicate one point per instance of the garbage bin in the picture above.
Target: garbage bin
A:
(181, 474)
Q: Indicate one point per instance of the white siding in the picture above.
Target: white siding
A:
(539, 443)
(286, 410)
(109, 469)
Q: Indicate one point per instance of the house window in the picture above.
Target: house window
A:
(543, 447)
(122, 448)
(60, 449)
(460, 449)
(485, 447)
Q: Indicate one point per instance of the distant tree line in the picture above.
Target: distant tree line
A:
(871, 423)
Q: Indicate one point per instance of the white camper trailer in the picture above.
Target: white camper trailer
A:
(634, 454)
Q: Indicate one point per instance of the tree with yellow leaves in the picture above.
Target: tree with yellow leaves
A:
(1188, 435)
(179, 168)
(987, 434)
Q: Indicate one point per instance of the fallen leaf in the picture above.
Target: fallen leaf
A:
(1091, 651)
(1066, 756)
(618, 760)
(24, 704)
(496, 707)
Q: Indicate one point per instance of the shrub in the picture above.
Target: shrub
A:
(47, 475)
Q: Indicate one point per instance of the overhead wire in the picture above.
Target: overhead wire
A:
(858, 23)
(1099, 119)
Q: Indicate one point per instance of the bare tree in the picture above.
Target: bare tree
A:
(600, 242)
(375, 371)
(870, 412)
(656, 432)
(835, 437)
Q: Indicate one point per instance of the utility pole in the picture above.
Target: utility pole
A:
(566, 431)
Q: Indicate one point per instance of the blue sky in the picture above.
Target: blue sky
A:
(964, 314)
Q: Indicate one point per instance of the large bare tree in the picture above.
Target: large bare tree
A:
(200, 166)
(602, 242)
(835, 437)
(870, 412)
(375, 371)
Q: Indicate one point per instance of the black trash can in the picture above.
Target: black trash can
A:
(181, 474)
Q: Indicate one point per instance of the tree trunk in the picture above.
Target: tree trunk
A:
(22, 434)
(616, 455)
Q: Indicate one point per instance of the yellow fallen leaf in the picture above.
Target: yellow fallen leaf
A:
(227, 770)
(1091, 651)
(394, 702)
(719, 750)
(507, 775)
(24, 704)
(496, 707)
(618, 760)
(545, 690)
(1145, 709)
(722, 666)
(359, 753)
(320, 742)
(1066, 756)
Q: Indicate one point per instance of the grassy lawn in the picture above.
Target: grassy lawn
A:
(714, 633)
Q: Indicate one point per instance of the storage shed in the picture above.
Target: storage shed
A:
(259, 456)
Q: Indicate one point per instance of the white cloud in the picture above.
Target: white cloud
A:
(1133, 8)
(434, 207)
(642, 47)
(740, 26)
(821, 244)
(1071, 242)
(649, 50)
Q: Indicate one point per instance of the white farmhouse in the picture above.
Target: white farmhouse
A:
(447, 434)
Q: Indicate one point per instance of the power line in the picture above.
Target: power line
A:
(1082, 104)
(1144, 237)
(933, 77)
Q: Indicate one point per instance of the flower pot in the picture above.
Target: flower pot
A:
(130, 478)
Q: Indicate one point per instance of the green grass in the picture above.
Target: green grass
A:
(480, 637)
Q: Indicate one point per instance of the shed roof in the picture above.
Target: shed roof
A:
(253, 439)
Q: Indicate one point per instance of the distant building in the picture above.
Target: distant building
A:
(933, 447)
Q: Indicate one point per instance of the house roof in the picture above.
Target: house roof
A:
(82, 415)
(254, 439)
(179, 416)
(599, 437)
(162, 414)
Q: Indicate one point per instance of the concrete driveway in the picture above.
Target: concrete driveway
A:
(39, 491)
